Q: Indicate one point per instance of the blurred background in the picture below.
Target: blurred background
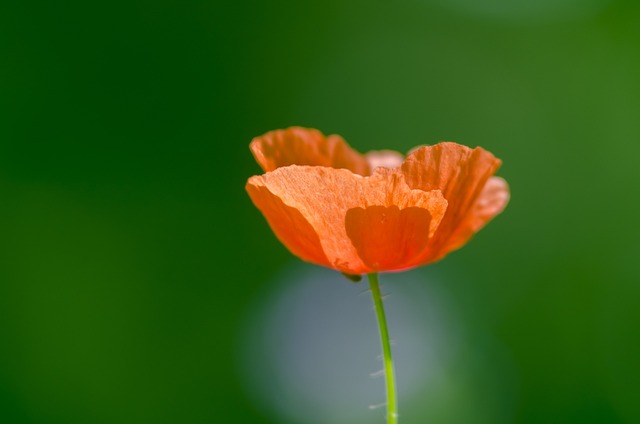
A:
(138, 284)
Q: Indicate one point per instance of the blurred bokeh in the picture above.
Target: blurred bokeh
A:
(138, 284)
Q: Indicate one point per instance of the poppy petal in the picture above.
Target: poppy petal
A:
(461, 173)
(389, 238)
(288, 224)
(384, 159)
(306, 146)
(353, 215)
(492, 200)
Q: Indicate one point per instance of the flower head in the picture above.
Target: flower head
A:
(333, 206)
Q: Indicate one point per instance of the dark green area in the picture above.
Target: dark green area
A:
(130, 252)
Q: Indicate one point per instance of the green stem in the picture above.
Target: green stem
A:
(389, 373)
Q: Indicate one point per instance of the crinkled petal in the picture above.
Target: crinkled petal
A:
(364, 224)
(306, 146)
(492, 200)
(461, 173)
(292, 229)
(388, 238)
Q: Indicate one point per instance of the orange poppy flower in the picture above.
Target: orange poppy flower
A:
(358, 214)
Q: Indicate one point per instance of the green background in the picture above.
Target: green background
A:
(130, 254)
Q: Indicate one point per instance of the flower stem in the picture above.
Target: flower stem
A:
(389, 373)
